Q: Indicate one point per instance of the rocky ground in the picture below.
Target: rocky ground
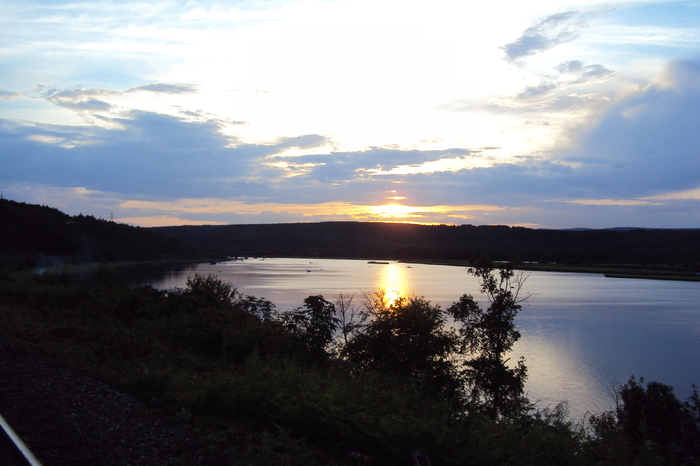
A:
(112, 427)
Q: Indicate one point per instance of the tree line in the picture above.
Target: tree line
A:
(447, 242)
(30, 231)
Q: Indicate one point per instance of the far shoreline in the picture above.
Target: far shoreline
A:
(632, 271)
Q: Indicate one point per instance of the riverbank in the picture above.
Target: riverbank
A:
(612, 271)
(233, 383)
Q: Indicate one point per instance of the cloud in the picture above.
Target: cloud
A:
(164, 221)
(163, 88)
(340, 166)
(573, 66)
(544, 34)
(307, 141)
(78, 99)
(543, 99)
(618, 202)
(584, 73)
(537, 91)
(571, 91)
(144, 154)
(684, 194)
(646, 144)
(7, 95)
(638, 161)
(151, 154)
(642, 146)
(82, 99)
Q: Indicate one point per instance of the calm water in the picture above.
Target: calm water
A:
(582, 334)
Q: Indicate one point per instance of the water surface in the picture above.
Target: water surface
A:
(582, 334)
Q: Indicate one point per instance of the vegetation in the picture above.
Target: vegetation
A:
(488, 336)
(377, 378)
(650, 425)
(33, 235)
(675, 251)
(40, 236)
(266, 387)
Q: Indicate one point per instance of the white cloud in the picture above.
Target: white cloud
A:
(546, 33)
(305, 101)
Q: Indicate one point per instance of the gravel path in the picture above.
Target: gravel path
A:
(113, 426)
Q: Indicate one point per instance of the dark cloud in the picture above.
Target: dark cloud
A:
(151, 154)
(647, 143)
(545, 34)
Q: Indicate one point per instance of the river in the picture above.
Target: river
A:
(582, 334)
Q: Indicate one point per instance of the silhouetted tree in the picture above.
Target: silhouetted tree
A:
(350, 318)
(210, 288)
(488, 335)
(649, 425)
(312, 325)
(406, 337)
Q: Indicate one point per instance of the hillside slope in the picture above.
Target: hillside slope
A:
(30, 230)
(442, 242)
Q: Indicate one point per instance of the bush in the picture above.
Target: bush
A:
(651, 424)
(407, 339)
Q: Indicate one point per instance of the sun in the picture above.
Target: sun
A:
(393, 211)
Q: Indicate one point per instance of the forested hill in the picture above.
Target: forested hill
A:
(442, 242)
(28, 231)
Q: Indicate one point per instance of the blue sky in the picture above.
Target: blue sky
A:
(542, 114)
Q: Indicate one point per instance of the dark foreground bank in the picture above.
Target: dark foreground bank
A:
(226, 379)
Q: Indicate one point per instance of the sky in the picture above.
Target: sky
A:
(544, 114)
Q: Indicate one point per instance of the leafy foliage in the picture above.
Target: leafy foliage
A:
(651, 425)
(486, 336)
(407, 338)
(312, 326)
(210, 288)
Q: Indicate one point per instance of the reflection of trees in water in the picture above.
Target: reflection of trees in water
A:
(146, 274)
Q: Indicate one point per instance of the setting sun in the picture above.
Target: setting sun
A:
(393, 211)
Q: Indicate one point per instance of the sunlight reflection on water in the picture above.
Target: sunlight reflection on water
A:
(582, 334)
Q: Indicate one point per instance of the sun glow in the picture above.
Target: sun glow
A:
(158, 213)
(393, 211)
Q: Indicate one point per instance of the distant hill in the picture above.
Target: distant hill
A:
(442, 242)
(28, 231)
